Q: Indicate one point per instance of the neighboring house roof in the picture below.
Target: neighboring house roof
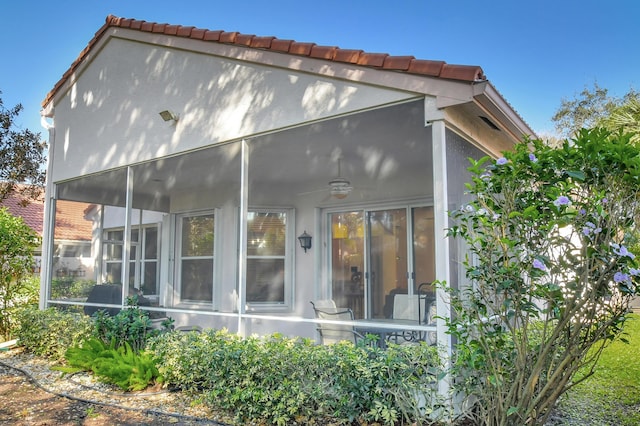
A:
(407, 64)
(70, 222)
(30, 213)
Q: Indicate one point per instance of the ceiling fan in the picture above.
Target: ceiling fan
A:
(339, 187)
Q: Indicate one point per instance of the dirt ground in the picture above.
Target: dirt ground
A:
(24, 403)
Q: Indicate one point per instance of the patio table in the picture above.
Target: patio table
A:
(385, 328)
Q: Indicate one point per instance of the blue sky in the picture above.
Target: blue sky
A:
(534, 52)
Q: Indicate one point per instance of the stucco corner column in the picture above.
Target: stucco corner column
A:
(440, 207)
(48, 219)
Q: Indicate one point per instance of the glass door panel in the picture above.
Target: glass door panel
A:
(347, 260)
(423, 248)
(387, 269)
(376, 254)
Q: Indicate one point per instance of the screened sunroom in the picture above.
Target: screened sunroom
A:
(200, 164)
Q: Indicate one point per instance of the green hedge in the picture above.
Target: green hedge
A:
(50, 332)
(274, 379)
(279, 380)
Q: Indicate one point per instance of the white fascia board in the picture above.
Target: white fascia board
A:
(501, 111)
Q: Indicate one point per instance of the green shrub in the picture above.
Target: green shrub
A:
(130, 326)
(27, 295)
(17, 244)
(62, 288)
(50, 332)
(279, 380)
(122, 366)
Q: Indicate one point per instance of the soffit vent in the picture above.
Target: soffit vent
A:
(489, 123)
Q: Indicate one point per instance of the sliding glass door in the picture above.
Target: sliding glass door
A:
(377, 253)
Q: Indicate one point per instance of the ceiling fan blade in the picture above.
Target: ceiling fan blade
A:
(315, 191)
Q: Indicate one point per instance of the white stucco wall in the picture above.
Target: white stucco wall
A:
(109, 116)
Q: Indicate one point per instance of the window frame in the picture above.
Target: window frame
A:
(289, 250)
(177, 273)
(138, 251)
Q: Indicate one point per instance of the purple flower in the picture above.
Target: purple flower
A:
(533, 158)
(501, 161)
(583, 212)
(635, 272)
(538, 264)
(620, 277)
(591, 227)
(562, 201)
(622, 251)
(605, 200)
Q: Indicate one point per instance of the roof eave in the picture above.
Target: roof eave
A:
(498, 109)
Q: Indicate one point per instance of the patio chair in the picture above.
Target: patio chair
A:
(334, 333)
(428, 315)
(416, 307)
(406, 307)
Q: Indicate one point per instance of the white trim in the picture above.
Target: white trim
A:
(242, 234)
(126, 251)
(177, 282)
(440, 223)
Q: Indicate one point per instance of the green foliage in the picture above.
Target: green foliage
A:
(550, 270)
(626, 117)
(50, 332)
(122, 366)
(17, 244)
(613, 391)
(22, 155)
(595, 107)
(26, 294)
(130, 326)
(278, 380)
(62, 288)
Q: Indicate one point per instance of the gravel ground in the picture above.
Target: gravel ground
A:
(33, 394)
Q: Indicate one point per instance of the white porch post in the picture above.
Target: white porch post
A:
(48, 220)
(242, 235)
(440, 207)
(126, 250)
(48, 238)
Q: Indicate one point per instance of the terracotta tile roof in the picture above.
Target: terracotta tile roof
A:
(70, 222)
(31, 213)
(408, 64)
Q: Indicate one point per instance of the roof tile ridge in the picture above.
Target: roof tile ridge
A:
(408, 64)
(462, 72)
(385, 61)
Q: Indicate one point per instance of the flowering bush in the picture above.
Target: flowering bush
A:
(549, 233)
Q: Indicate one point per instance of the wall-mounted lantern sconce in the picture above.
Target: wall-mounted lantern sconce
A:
(168, 115)
(305, 241)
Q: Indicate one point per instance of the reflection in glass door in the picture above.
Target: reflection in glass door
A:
(347, 260)
(387, 269)
(376, 254)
